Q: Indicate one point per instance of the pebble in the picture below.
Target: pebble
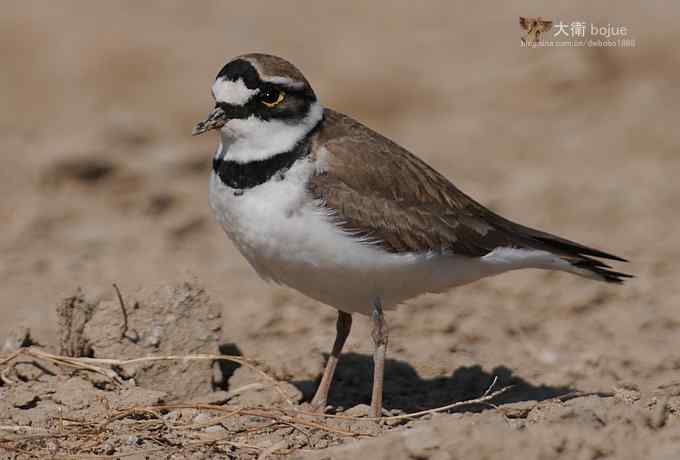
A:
(17, 338)
(201, 417)
(214, 429)
(132, 440)
(360, 410)
(24, 399)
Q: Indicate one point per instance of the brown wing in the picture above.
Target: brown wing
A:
(380, 191)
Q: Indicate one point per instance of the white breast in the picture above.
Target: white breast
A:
(288, 238)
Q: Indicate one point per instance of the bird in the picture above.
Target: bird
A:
(316, 201)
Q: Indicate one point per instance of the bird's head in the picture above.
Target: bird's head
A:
(261, 99)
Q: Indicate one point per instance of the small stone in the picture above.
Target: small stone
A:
(17, 338)
(627, 392)
(132, 440)
(128, 371)
(261, 395)
(321, 444)
(108, 448)
(519, 409)
(233, 424)
(214, 429)
(99, 381)
(153, 340)
(27, 371)
(660, 413)
(24, 399)
(201, 417)
(218, 377)
(394, 421)
(360, 410)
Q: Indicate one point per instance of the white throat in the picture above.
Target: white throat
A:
(250, 139)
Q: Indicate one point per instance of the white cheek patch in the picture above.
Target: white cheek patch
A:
(232, 92)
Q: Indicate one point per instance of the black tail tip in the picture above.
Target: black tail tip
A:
(602, 271)
(614, 277)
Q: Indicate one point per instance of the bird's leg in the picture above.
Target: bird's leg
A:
(379, 335)
(343, 326)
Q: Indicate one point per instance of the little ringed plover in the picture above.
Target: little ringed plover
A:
(318, 202)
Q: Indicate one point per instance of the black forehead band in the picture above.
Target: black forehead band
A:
(243, 69)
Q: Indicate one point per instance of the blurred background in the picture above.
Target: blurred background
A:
(101, 181)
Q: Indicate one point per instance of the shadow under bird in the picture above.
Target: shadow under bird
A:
(317, 201)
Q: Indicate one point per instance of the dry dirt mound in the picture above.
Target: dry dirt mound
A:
(173, 320)
(146, 377)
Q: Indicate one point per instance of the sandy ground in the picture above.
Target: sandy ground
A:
(102, 183)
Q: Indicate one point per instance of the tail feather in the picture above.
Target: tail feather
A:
(575, 248)
(594, 269)
(575, 257)
(553, 243)
(582, 259)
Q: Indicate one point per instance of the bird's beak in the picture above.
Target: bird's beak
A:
(216, 119)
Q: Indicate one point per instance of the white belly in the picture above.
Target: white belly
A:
(289, 239)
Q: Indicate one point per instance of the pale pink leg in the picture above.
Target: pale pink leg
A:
(343, 326)
(379, 335)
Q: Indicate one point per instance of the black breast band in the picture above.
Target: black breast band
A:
(248, 175)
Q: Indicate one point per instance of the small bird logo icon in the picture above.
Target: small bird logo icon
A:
(534, 27)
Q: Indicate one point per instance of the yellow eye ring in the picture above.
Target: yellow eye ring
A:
(270, 104)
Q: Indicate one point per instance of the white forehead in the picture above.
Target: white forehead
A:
(232, 92)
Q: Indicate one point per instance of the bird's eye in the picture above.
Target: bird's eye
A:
(271, 97)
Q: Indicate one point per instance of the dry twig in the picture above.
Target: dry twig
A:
(124, 329)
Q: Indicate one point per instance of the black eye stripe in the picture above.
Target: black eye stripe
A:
(235, 111)
(303, 93)
(295, 105)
